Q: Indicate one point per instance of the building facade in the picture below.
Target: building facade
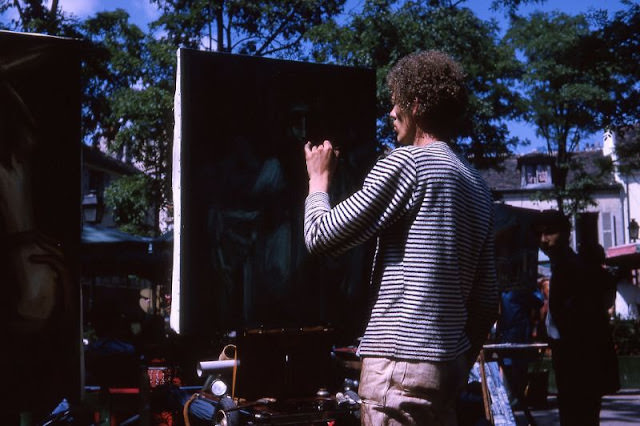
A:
(98, 171)
(525, 179)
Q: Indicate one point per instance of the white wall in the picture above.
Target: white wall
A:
(630, 198)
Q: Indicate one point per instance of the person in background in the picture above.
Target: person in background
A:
(518, 309)
(432, 216)
(594, 256)
(583, 355)
(539, 332)
(627, 298)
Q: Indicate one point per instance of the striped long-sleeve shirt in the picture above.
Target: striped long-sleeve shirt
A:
(434, 263)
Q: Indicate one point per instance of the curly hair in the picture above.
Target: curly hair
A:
(435, 83)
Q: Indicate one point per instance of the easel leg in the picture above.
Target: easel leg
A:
(486, 399)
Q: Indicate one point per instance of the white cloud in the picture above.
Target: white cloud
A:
(141, 11)
(150, 10)
(80, 8)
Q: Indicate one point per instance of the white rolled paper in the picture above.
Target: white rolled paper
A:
(209, 366)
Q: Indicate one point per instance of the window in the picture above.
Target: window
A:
(608, 221)
(536, 176)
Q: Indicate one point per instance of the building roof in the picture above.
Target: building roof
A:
(508, 179)
(94, 158)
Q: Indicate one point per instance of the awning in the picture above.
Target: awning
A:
(108, 251)
(94, 234)
(627, 255)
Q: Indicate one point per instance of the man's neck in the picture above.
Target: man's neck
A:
(423, 138)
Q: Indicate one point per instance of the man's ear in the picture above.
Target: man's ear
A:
(414, 108)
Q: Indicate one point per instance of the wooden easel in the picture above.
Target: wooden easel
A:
(497, 409)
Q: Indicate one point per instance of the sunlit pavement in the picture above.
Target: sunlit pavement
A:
(623, 408)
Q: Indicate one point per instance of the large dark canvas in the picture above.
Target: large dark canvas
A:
(239, 188)
(40, 220)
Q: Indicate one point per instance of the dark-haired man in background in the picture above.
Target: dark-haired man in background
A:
(584, 361)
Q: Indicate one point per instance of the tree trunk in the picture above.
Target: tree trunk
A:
(220, 26)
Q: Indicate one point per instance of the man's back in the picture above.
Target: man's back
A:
(432, 259)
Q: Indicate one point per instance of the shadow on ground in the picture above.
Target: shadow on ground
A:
(620, 409)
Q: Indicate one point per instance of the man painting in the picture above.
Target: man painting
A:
(434, 266)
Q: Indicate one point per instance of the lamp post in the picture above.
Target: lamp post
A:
(633, 230)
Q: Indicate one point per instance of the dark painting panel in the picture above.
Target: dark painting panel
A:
(242, 185)
(40, 218)
(516, 248)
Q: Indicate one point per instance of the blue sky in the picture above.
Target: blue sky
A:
(142, 12)
(481, 7)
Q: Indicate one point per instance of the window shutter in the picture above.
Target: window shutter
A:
(607, 230)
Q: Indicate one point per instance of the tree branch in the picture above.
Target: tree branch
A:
(16, 3)
(261, 51)
(53, 12)
(283, 47)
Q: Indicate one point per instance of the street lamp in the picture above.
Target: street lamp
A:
(91, 209)
(633, 230)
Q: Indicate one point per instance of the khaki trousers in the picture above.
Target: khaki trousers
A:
(397, 392)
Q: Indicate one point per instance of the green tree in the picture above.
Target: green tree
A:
(567, 90)
(385, 30)
(129, 198)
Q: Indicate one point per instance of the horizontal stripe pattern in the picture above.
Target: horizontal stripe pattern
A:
(434, 262)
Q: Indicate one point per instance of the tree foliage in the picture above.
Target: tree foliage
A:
(129, 198)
